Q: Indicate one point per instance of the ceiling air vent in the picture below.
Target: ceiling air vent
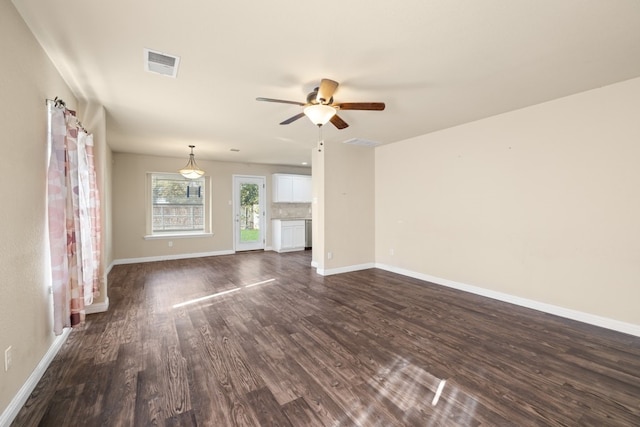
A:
(161, 63)
(361, 142)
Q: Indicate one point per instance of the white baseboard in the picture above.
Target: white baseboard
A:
(99, 307)
(591, 319)
(170, 257)
(18, 401)
(347, 269)
(108, 270)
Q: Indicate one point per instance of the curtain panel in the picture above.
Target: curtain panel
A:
(73, 205)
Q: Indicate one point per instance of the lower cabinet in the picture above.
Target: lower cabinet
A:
(288, 235)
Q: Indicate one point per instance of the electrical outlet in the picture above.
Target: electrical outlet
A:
(8, 358)
(170, 243)
(329, 255)
(392, 251)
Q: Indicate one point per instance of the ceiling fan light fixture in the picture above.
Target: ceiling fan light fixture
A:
(320, 114)
(191, 169)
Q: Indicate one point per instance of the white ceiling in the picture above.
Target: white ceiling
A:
(435, 64)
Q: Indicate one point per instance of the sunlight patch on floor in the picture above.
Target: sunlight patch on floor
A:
(434, 402)
(218, 294)
(405, 384)
(264, 282)
(410, 387)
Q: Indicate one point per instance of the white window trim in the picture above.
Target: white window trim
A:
(183, 235)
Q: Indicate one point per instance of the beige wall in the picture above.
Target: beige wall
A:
(129, 204)
(541, 203)
(346, 225)
(27, 77)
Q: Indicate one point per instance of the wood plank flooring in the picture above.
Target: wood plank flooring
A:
(259, 339)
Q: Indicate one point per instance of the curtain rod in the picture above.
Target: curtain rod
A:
(59, 103)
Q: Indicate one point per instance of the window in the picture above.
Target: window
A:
(177, 205)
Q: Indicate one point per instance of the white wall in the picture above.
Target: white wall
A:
(541, 203)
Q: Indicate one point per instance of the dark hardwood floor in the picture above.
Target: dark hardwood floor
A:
(269, 342)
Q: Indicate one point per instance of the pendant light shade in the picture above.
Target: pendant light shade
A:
(191, 170)
(320, 114)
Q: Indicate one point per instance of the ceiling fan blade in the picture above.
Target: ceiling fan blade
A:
(292, 119)
(338, 122)
(372, 106)
(281, 101)
(326, 90)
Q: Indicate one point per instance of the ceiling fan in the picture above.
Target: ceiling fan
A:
(320, 107)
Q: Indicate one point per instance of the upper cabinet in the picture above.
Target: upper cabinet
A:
(301, 189)
(288, 188)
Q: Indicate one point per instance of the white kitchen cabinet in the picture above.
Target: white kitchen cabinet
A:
(288, 235)
(288, 188)
(282, 188)
(301, 188)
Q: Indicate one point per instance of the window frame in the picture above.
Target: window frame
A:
(207, 220)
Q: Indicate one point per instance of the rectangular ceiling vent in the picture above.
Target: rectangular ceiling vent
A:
(161, 63)
(361, 142)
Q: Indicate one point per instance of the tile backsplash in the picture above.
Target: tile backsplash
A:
(290, 210)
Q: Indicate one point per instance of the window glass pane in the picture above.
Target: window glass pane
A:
(177, 203)
(249, 213)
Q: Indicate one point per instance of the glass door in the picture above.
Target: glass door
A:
(249, 212)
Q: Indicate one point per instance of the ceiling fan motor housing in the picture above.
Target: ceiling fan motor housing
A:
(312, 98)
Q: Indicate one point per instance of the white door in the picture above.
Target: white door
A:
(249, 212)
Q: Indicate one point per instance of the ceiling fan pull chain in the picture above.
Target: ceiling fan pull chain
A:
(320, 140)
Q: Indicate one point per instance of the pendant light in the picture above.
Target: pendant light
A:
(191, 170)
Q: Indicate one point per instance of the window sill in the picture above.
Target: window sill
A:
(176, 236)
